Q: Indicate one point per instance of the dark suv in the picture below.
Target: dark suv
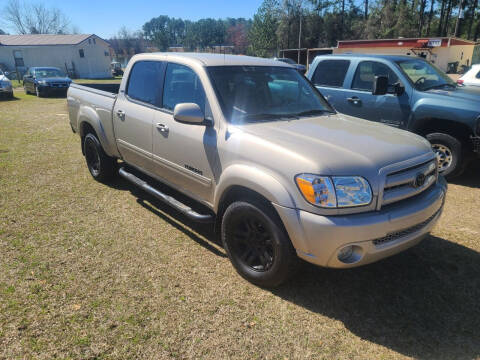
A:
(46, 81)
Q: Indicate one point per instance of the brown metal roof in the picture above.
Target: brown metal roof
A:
(42, 39)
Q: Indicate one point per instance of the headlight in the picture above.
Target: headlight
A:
(334, 191)
(42, 82)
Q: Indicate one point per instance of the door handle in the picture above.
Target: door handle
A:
(355, 100)
(121, 114)
(162, 128)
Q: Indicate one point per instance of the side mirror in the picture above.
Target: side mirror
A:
(399, 89)
(380, 85)
(189, 113)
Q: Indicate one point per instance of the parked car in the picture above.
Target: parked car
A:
(44, 81)
(301, 68)
(257, 147)
(471, 77)
(6, 89)
(419, 97)
(116, 68)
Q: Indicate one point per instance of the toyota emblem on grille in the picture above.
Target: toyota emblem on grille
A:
(419, 180)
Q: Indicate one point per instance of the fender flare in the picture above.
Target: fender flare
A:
(89, 116)
(255, 179)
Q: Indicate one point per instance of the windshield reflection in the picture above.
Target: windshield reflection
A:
(424, 75)
(265, 93)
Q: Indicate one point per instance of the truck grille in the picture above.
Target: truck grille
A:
(58, 85)
(476, 143)
(405, 232)
(405, 183)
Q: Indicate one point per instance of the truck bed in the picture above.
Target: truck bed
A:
(104, 87)
(95, 102)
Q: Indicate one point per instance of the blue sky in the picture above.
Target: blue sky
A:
(105, 17)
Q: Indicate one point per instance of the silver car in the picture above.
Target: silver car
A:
(6, 89)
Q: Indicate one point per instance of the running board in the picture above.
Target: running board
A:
(181, 207)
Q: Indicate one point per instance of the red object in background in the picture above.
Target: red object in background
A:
(460, 82)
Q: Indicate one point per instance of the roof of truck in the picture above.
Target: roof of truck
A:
(208, 59)
(374, 56)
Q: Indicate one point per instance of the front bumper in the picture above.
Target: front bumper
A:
(47, 90)
(374, 235)
(6, 89)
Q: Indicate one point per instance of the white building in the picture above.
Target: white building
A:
(81, 56)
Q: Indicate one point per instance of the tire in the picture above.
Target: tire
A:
(25, 89)
(257, 244)
(450, 154)
(101, 166)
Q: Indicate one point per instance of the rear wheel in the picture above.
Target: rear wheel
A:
(257, 244)
(449, 151)
(101, 166)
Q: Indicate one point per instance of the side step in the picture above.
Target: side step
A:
(181, 207)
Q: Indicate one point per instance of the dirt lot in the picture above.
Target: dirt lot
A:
(90, 271)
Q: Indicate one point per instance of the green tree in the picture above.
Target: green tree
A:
(263, 33)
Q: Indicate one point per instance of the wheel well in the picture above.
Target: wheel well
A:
(86, 128)
(453, 128)
(236, 193)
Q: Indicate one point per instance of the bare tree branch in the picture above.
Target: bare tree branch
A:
(35, 18)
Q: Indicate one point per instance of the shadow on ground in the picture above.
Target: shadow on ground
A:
(471, 176)
(423, 303)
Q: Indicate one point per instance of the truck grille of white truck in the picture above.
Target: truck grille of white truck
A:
(405, 183)
(405, 232)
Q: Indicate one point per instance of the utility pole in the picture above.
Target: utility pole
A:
(459, 18)
(299, 31)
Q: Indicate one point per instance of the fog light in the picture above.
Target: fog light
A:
(350, 254)
(345, 253)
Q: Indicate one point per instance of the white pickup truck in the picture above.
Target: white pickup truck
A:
(281, 173)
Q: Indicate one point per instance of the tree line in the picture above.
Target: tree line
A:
(321, 23)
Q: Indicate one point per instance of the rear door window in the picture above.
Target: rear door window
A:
(330, 73)
(182, 85)
(145, 82)
(366, 72)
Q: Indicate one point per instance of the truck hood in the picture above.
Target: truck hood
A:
(340, 144)
(462, 93)
(55, 79)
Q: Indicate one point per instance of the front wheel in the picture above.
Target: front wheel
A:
(257, 243)
(101, 166)
(449, 153)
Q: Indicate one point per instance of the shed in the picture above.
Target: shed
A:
(80, 55)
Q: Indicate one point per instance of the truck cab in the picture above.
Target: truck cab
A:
(420, 98)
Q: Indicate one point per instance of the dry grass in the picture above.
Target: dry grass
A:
(89, 271)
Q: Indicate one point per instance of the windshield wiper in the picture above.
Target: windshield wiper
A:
(267, 116)
(311, 112)
(439, 86)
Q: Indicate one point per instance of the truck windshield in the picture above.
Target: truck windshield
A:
(48, 73)
(265, 93)
(424, 75)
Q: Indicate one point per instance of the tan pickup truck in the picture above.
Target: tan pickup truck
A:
(278, 170)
